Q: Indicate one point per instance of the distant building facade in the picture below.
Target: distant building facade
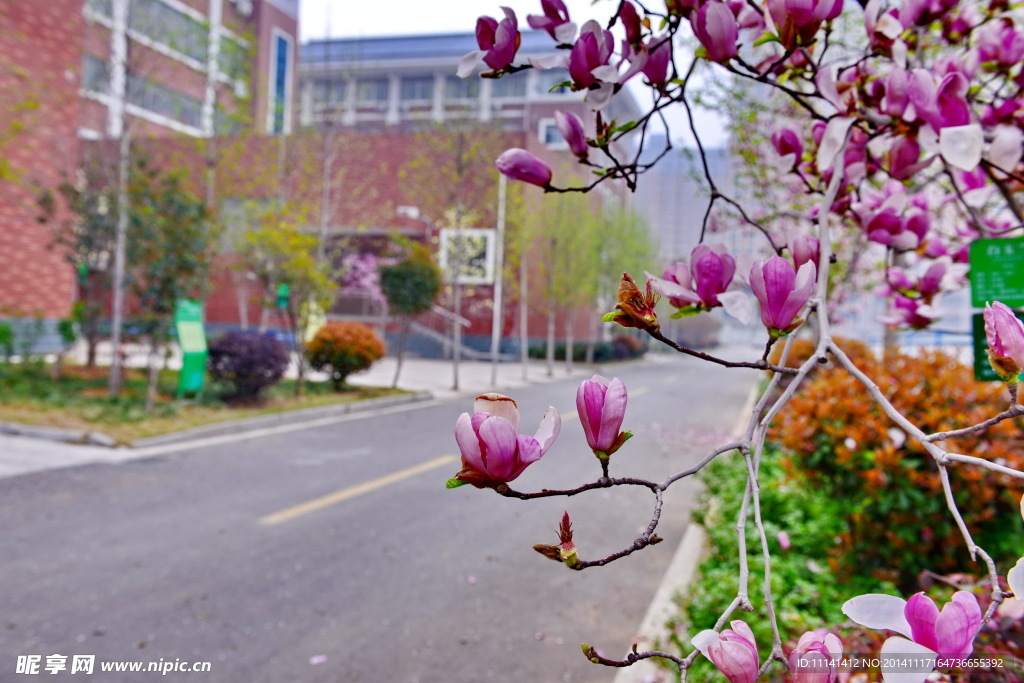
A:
(75, 71)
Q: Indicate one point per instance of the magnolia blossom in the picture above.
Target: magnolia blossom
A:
(805, 248)
(782, 292)
(498, 41)
(493, 451)
(715, 26)
(695, 287)
(945, 638)
(733, 651)
(555, 21)
(601, 406)
(518, 164)
(816, 657)
(1004, 333)
(571, 127)
(1000, 41)
(787, 143)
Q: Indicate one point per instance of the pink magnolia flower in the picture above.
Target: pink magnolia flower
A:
(787, 143)
(1001, 42)
(816, 657)
(805, 248)
(592, 50)
(555, 21)
(518, 164)
(630, 23)
(659, 55)
(601, 406)
(571, 127)
(910, 312)
(498, 41)
(493, 451)
(782, 292)
(946, 637)
(733, 651)
(695, 287)
(715, 27)
(1004, 333)
(905, 158)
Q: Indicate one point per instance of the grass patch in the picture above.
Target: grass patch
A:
(78, 399)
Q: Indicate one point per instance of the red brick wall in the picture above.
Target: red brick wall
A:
(40, 66)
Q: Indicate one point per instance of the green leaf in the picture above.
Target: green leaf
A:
(766, 38)
(454, 483)
(610, 317)
(628, 126)
(687, 312)
(563, 84)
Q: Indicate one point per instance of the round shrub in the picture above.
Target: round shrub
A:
(341, 348)
(248, 361)
(843, 443)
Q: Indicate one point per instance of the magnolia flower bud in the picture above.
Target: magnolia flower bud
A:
(518, 164)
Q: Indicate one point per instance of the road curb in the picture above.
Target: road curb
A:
(241, 425)
(677, 578)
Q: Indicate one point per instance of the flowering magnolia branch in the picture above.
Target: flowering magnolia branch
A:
(858, 127)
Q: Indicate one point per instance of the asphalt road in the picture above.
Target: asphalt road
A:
(336, 554)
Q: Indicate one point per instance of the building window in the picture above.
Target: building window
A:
(372, 90)
(159, 99)
(418, 88)
(280, 89)
(95, 75)
(550, 136)
(103, 8)
(168, 26)
(233, 58)
(510, 86)
(461, 88)
(329, 91)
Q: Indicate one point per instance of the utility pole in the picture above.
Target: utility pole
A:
(499, 272)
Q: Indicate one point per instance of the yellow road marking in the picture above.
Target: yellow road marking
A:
(291, 513)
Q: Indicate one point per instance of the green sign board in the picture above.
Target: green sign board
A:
(997, 272)
(188, 322)
(983, 371)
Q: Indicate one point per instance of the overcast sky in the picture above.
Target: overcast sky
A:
(345, 18)
(361, 18)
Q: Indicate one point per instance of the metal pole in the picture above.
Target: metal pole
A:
(499, 271)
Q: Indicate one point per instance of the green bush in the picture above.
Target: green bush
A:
(621, 347)
(341, 348)
(807, 594)
(837, 438)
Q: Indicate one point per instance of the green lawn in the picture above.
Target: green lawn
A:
(78, 399)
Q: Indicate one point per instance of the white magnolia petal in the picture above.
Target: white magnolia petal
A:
(557, 61)
(1015, 577)
(599, 98)
(498, 405)
(469, 63)
(899, 52)
(895, 650)
(550, 426)
(738, 305)
(705, 640)
(606, 73)
(826, 82)
(961, 145)
(832, 142)
(876, 610)
(566, 33)
(889, 26)
(1005, 150)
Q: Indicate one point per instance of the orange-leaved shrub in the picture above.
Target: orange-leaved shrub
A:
(341, 348)
(899, 524)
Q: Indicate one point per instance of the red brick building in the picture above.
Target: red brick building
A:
(83, 70)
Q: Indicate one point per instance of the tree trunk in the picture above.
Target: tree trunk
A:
(300, 358)
(568, 343)
(402, 341)
(154, 366)
(551, 339)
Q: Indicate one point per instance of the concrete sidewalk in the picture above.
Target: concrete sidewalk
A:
(25, 449)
